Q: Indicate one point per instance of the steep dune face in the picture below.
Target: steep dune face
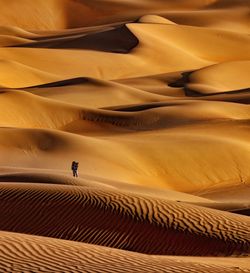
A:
(116, 40)
(152, 99)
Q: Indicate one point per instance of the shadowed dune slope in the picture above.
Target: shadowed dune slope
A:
(117, 40)
(53, 255)
(94, 93)
(116, 219)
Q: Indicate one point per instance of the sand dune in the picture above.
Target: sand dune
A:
(127, 214)
(154, 161)
(17, 32)
(14, 74)
(135, 122)
(11, 40)
(221, 78)
(93, 93)
(139, 117)
(70, 13)
(79, 257)
(177, 49)
(216, 18)
(152, 99)
(47, 176)
(155, 19)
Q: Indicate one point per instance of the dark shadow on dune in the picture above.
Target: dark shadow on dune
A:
(37, 178)
(237, 96)
(184, 80)
(142, 107)
(246, 90)
(117, 40)
(73, 81)
(182, 83)
(79, 31)
(242, 211)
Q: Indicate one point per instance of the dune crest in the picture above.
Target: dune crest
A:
(154, 19)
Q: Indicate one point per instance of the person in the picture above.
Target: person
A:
(74, 168)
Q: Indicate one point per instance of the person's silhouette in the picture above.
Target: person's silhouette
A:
(74, 168)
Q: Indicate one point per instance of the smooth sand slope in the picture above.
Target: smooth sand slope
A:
(89, 135)
(152, 99)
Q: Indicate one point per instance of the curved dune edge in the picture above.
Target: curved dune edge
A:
(224, 77)
(92, 92)
(7, 40)
(26, 253)
(115, 40)
(63, 116)
(13, 74)
(155, 19)
(116, 219)
(240, 205)
(49, 177)
(219, 81)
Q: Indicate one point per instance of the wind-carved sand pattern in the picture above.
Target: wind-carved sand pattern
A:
(152, 99)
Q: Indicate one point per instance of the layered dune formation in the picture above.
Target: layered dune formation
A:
(152, 99)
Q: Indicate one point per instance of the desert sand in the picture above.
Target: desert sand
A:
(152, 99)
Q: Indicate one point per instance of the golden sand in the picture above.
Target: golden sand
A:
(152, 99)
